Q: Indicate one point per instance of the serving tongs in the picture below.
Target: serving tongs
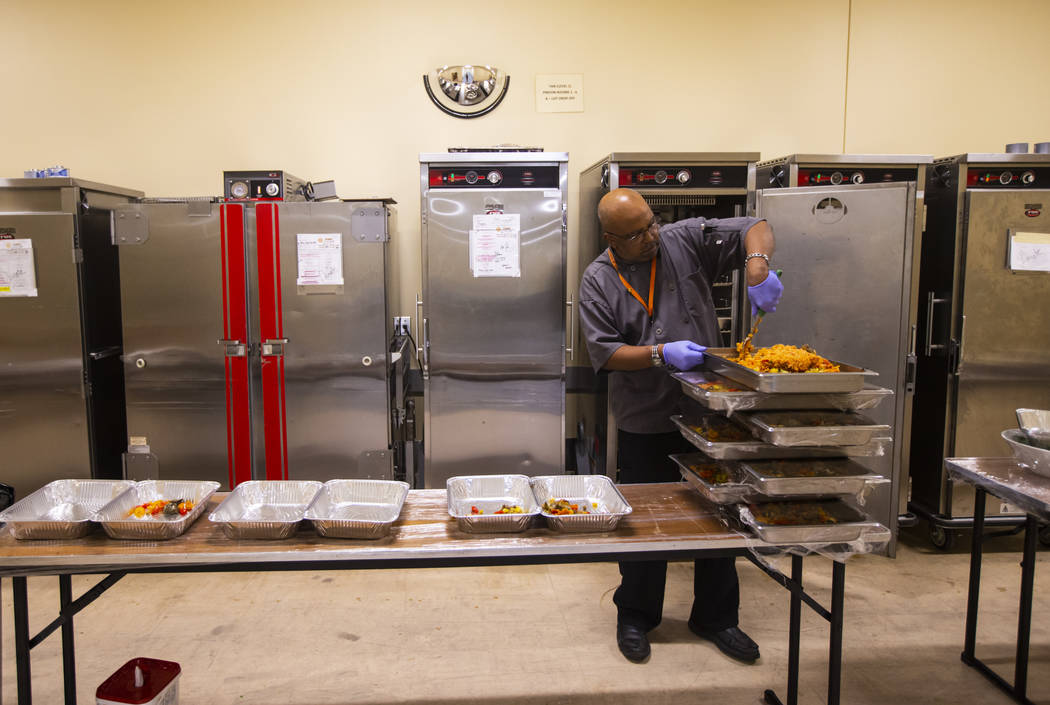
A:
(1035, 423)
(745, 347)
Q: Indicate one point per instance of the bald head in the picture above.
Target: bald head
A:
(621, 210)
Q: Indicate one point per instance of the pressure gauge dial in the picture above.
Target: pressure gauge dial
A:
(272, 189)
(239, 189)
(660, 177)
(472, 177)
(836, 178)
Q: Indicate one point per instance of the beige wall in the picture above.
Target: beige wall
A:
(164, 96)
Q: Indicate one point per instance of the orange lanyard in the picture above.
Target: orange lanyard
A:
(635, 294)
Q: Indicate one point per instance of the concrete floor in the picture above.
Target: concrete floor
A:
(539, 634)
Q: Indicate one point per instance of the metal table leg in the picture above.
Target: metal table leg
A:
(794, 632)
(838, 603)
(21, 605)
(973, 595)
(1024, 618)
(69, 676)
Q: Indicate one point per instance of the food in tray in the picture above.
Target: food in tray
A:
(719, 429)
(505, 509)
(783, 358)
(564, 506)
(721, 387)
(810, 467)
(814, 419)
(713, 473)
(162, 509)
(792, 513)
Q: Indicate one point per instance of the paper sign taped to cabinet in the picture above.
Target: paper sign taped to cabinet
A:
(495, 245)
(320, 259)
(1029, 252)
(17, 268)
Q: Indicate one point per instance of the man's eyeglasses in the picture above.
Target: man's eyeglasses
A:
(638, 234)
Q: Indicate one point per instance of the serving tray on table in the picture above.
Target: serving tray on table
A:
(117, 523)
(473, 501)
(265, 509)
(63, 509)
(805, 477)
(804, 521)
(601, 503)
(357, 509)
(720, 481)
(722, 362)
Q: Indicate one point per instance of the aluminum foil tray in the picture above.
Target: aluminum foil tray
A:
(805, 477)
(850, 379)
(722, 394)
(118, 525)
(760, 449)
(488, 493)
(265, 509)
(845, 523)
(605, 504)
(62, 509)
(699, 471)
(357, 509)
(814, 428)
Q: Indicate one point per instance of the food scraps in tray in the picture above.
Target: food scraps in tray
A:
(784, 358)
(505, 509)
(719, 429)
(792, 514)
(162, 509)
(720, 387)
(802, 468)
(564, 506)
(712, 473)
(814, 419)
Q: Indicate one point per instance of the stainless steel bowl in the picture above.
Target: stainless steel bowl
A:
(1036, 425)
(1034, 458)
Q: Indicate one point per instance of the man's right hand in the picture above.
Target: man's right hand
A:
(683, 354)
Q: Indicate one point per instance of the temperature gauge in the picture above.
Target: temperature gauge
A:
(239, 189)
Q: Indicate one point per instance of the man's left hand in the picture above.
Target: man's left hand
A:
(765, 295)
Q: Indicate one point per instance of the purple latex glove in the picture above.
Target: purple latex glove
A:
(766, 295)
(683, 354)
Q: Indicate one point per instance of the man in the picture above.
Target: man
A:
(644, 303)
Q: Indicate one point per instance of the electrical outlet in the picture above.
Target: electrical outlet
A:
(402, 325)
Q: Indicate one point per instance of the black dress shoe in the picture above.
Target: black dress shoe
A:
(732, 642)
(633, 642)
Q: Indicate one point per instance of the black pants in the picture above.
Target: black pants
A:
(640, 598)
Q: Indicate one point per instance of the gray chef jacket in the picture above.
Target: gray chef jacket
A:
(693, 254)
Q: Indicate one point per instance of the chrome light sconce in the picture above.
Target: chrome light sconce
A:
(466, 91)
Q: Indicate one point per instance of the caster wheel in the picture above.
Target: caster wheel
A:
(941, 538)
(1044, 535)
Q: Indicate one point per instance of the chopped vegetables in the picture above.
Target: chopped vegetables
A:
(162, 509)
(510, 509)
(563, 506)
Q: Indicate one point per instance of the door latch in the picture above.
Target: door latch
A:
(274, 346)
(233, 348)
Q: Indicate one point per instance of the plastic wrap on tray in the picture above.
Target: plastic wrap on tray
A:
(265, 509)
(720, 481)
(850, 378)
(722, 394)
(813, 428)
(600, 506)
(755, 448)
(473, 501)
(806, 477)
(357, 509)
(812, 521)
(119, 524)
(63, 509)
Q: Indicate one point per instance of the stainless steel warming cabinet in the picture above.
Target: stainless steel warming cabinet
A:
(256, 338)
(984, 343)
(676, 185)
(61, 387)
(846, 228)
(493, 313)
